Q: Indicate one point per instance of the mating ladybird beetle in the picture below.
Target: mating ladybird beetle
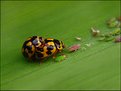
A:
(38, 48)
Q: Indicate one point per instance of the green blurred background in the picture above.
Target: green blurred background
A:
(97, 68)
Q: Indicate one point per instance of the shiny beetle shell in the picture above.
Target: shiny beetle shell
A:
(38, 48)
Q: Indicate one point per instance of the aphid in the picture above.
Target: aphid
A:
(119, 18)
(117, 31)
(78, 38)
(106, 37)
(74, 47)
(101, 39)
(60, 58)
(109, 39)
(88, 45)
(95, 32)
(113, 22)
(118, 39)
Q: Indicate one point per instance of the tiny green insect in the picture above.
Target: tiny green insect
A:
(106, 37)
(117, 31)
(109, 39)
(60, 58)
(112, 22)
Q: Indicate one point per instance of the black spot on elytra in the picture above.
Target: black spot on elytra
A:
(24, 45)
(50, 47)
(30, 51)
(40, 39)
(25, 54)
(49, 52)
(29, 47)
(39, 55)
(56, 41)
(46, 40)
(33, 38)
(40, 49)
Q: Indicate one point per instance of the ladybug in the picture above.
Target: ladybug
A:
(37, 47)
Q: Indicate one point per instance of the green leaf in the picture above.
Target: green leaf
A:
(96, 68)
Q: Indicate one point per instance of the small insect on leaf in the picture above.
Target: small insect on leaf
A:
(88, 45)
(113, 22)
(109, 39)
(101, 39)
(78, 38)
(118, 39)
(74, 47)
(119, 18)
(95, 32)
(106, 37)
(115, 32)
(119, 22)
(60, 58)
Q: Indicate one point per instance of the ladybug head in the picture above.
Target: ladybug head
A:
(59, 44)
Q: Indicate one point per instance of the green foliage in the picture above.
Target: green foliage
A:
(98, 67)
